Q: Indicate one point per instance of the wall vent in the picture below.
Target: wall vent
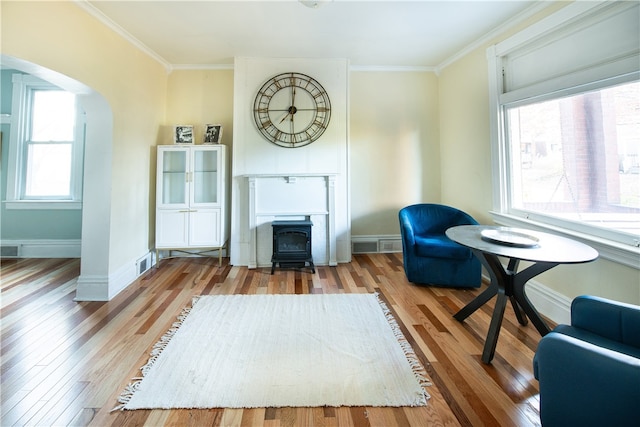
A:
(364, 247)
(9, 251)
(376, 244)
(143, 264)
(390, 246)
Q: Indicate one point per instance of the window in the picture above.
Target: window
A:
(566, 116)
(576, 158)
(46, 147)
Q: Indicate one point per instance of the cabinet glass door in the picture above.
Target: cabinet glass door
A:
(205, 176)
(174, 177)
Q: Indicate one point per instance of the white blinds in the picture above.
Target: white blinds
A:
(579, 45)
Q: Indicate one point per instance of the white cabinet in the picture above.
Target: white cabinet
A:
(190, 198)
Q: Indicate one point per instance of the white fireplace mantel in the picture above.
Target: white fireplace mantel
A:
(293, 196)
(289, 184)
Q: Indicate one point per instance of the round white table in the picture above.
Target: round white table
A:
(544, 250)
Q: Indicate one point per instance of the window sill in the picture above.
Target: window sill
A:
(617, 252)
(43, 205)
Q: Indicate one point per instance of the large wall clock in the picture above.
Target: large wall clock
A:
(292, 110)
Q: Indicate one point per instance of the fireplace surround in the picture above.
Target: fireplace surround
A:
(272, 197)
(292, 244)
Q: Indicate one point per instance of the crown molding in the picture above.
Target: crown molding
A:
(392, 68)
(494, 33)
(364, 68)
(201, 67)
(482, 41)
(96, 13)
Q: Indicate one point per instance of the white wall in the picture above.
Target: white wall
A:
(252, 154)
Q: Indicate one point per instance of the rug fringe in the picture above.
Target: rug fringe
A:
(416, 366)
(156, 350)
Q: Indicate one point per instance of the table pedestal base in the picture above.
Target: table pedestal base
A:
(508, 284)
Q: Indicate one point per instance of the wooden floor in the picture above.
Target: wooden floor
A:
(65, 362)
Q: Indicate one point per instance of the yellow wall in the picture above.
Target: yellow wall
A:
(414, 136)
(62, 37)
(464, 136)
(394, 151)
(393, 136)
(200, 97)
(466, 172)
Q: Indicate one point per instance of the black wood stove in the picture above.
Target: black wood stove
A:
(292, 244)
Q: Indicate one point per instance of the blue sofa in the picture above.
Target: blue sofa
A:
(429, 256)
(589, 371)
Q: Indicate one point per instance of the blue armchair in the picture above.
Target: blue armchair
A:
(430, 257)
(589, 371)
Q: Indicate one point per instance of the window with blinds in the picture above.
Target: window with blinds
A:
(566, 124)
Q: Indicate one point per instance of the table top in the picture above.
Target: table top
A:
(526, 245)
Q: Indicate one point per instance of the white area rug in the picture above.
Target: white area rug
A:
(253, 351)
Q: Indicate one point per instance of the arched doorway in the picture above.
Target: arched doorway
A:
(93, 283)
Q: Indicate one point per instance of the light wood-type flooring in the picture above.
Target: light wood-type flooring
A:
(66, 362)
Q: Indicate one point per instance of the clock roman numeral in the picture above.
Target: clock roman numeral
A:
(318, 124)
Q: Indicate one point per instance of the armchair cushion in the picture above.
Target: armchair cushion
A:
(589, 371)
(440, 247)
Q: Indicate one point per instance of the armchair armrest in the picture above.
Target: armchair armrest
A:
(406, 227)
(576, 375)
(610, 319)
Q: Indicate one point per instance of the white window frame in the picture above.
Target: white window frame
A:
(609, 244)
(23, 85)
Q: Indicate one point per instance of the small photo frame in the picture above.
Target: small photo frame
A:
(212, 134)
(183, 134)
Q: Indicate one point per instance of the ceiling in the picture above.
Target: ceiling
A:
(185, 34)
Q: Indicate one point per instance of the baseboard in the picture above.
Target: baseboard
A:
(58, 248)
(104, 288)
(92, 288)
(548, 302)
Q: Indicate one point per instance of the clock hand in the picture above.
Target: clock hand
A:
(291, 111)
(285, 116)
(293, 128)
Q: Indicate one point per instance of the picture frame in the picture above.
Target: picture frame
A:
(212, 134)
(183, 135)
